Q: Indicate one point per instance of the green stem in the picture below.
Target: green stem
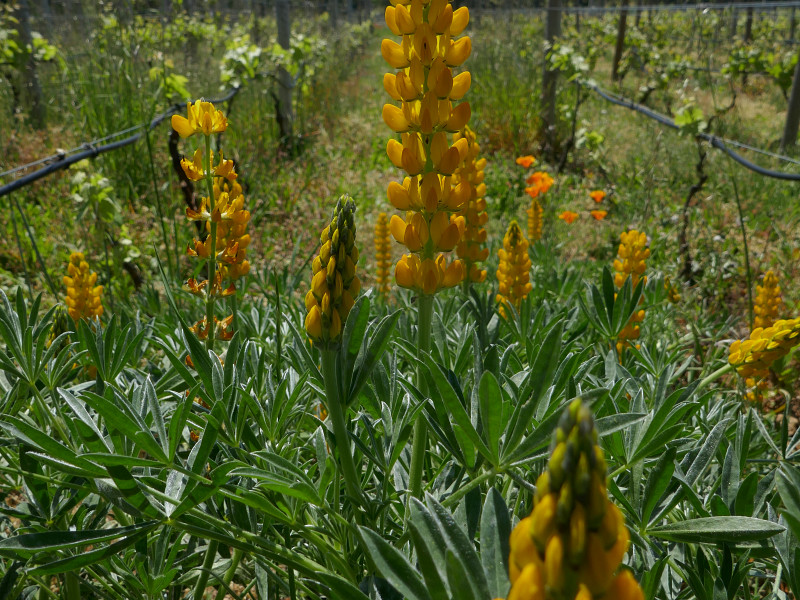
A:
(336, 413)
(727, 368)
(452, 499)
(236, 558)
(202, 578)
(21, 254)
(73, 586)
(420, 426)
(748, 273)
(212, 255)
(159, 207)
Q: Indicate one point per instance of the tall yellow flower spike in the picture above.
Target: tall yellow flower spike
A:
(471, 249)
(513, 273)
(383, 256)
(222, 216)
(83, 297)
(630, 262)
(768, 301)
(535, 220)
(335, 284)
(753, 357)
(426, 89)
(572, 544)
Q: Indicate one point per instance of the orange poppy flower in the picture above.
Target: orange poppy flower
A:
(568, 216)
(526, 161)
(597, 195)
(542, 179)
(599, 215)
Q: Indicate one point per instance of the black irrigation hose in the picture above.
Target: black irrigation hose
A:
(715, 141)
(61, 161)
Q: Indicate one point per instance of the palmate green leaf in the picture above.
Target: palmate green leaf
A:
(377, 341)
(459, 579)
(30, 544)
(430, 548)
(458, 542)
(658, 482)
(456, 411)
(339, 589)
(495, 535)
(714, 530)
(787, 481)
(392, 565)
(78, 561)
(539, 381)
(492, 403)
(121, 418)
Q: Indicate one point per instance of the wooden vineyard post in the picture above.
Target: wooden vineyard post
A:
(789, 137)
(623, 17)
(284, 108)
(549, 76)
(748, 25)
(32, 88)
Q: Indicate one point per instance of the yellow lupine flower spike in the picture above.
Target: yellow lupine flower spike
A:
(382, 254)
(426, 90)
(753, 357)
(471, 249)
(535, 220)
(572, 544)
(513, 273)
(83, 297)
(768, 301)
(334, 285)
(631, 257)
(630, 262)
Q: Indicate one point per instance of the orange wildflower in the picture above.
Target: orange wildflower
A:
(526, 161)
(597, 195)
(539, 183)
(568, 216)
(599, 215)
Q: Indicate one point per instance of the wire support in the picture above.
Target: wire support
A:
(65, 159)
(715, 141)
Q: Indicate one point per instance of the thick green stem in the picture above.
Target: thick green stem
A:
(420, 426)
(714, 376)
(73, 585)
(212, 255)
(453, 499)
(236, 558)
(202, 578)
(336, 413)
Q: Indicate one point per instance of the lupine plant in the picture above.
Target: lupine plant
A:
(529, 437)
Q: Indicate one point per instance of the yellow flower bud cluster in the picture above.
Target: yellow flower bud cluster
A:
(753, 357)
(83, 297)
(513, 273)
(631, 257)
(630, 262)
(673, 294)
(572, 544)
(425, 87)
(335, 284)
(471, 248)
(383, 254)
(535, 220)
(768, 301)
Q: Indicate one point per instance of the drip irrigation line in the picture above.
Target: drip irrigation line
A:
(717, 142)
(757, 6)
(94, 148)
